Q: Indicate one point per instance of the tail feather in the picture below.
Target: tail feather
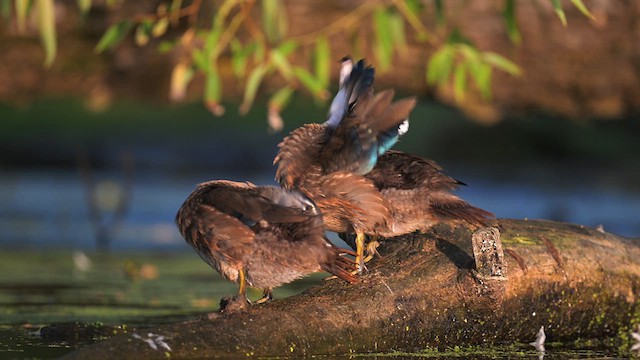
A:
(355, 88)
(362, 126)
(451, 207)
(341, 267)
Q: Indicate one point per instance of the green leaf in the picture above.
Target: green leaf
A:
(274, 19)
(251, 88)
(175, 11)
(322, 61)
(509, 15)
(260, 53)
(84, 6)
(180, 77)
(142, 33)
(439, 66)
(213, 92)
(469, 52)
(114, 34)
(460, 81)
(166, 46)
(398, 36)
(281, 63)
(501, 63)
(383, 47)
(280, 99)
(414, 6)
(457, 37)
(312, 84)
(160, 28)
(240, 56)
(5, 9)
(200, 60)
(481, 73)
(287, 47)
(22, 10)
(47, 27)
(557, 7)
(583, 9)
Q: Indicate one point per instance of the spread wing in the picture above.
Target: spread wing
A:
(252, 204)
(356, 198)
(298, 154)
(218, 218)
(362, 126)
(399, 170)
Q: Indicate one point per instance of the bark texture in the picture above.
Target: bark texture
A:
(424, 291)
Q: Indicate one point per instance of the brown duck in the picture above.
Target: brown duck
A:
(260, 236)
(328, 161)
(419, 195)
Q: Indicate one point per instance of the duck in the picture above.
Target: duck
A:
(420, 195)
(259, 236)
(328, 161)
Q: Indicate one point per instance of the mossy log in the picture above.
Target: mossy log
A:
(426, 291)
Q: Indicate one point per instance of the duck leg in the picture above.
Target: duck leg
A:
(267, 295)
(360, 251)
(372, 248)
(243, 283)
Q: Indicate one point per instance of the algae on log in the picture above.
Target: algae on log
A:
(423, 291)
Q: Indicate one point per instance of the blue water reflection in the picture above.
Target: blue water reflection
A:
(47, 208)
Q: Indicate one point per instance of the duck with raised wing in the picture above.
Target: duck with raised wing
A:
(328, 161)
(259, 236)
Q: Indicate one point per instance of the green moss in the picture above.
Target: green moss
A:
(519, 240)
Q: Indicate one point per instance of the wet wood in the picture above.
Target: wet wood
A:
(425, 291)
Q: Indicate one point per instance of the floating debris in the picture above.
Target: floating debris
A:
(153, 341)
(540, 338)
(81, 261)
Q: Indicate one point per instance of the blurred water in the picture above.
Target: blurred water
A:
(47, 208)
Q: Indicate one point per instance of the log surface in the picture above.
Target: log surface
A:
(424, 291)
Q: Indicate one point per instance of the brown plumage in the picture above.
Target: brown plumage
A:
(328, 161)
(264, 235)
(419, 195)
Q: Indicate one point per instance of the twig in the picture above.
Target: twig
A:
(345, 22)
(190, 11)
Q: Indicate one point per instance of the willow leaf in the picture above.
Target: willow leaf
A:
(47, 27)
(557, 7)
(460, 81)
(322, 61)
(398, 34)
(114, 34)
(84, 6)
(22, 10)
(281, 98)
(279, 60)
(501, 63)
(383, 47)
(583, 9)
(180, 77)
(509, 15)
(251, 88)
(439, 66)
(213, 92)
(311, 83)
